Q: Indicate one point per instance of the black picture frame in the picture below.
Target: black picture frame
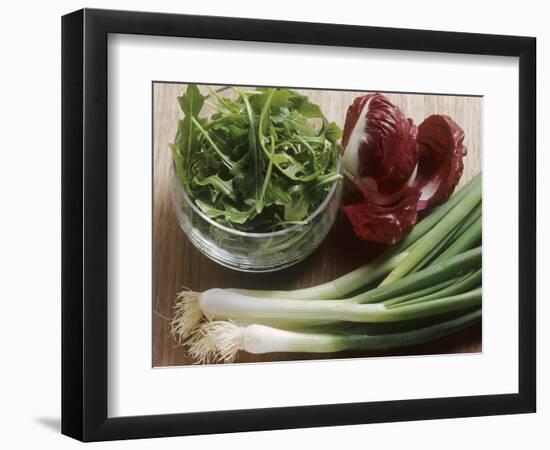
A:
(84, 224)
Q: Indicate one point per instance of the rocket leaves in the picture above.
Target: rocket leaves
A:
(262, 161)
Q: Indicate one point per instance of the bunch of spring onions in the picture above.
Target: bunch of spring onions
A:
(425, 287)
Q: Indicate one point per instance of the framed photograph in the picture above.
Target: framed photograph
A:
(255, 211)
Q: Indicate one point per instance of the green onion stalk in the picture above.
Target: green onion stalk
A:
(451, 238)
(221, 304)
(423, 246)
(222, 340)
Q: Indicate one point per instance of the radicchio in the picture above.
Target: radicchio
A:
(396, 169)
(440, 152)
(386, 224)
(380, 153)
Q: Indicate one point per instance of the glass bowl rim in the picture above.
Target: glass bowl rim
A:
(282, 232)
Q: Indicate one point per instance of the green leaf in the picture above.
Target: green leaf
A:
(276, 194)
(222, 102)
(237, 132)
(262, 128)
(277, 98)
(290, 167)
(310, 110)
(298, 209)
(298, 124)
(187, 144)
(333, 133)
(253, 151)
(231, 213)
(191, 102)
(307, 109)
(267, 179)
(178, 160)
(221, 186)
(296, 101)
(280, 98)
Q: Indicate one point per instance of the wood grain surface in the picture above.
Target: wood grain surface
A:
(177, 263)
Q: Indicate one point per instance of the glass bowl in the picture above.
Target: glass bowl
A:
(255, 252)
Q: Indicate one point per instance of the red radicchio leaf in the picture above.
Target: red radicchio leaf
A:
(440, 165)
(385, 224)
(396, 168)
(380, 152)
(380, 157)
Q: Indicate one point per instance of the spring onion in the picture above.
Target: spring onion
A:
(451, 238)
(219, 304)
(463, 284)
(192, 307)
(222, 340)
(423, 246)
(469, 238)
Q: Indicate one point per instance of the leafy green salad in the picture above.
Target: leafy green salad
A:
(264, 160)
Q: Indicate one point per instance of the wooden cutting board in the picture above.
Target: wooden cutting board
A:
(177, 263)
